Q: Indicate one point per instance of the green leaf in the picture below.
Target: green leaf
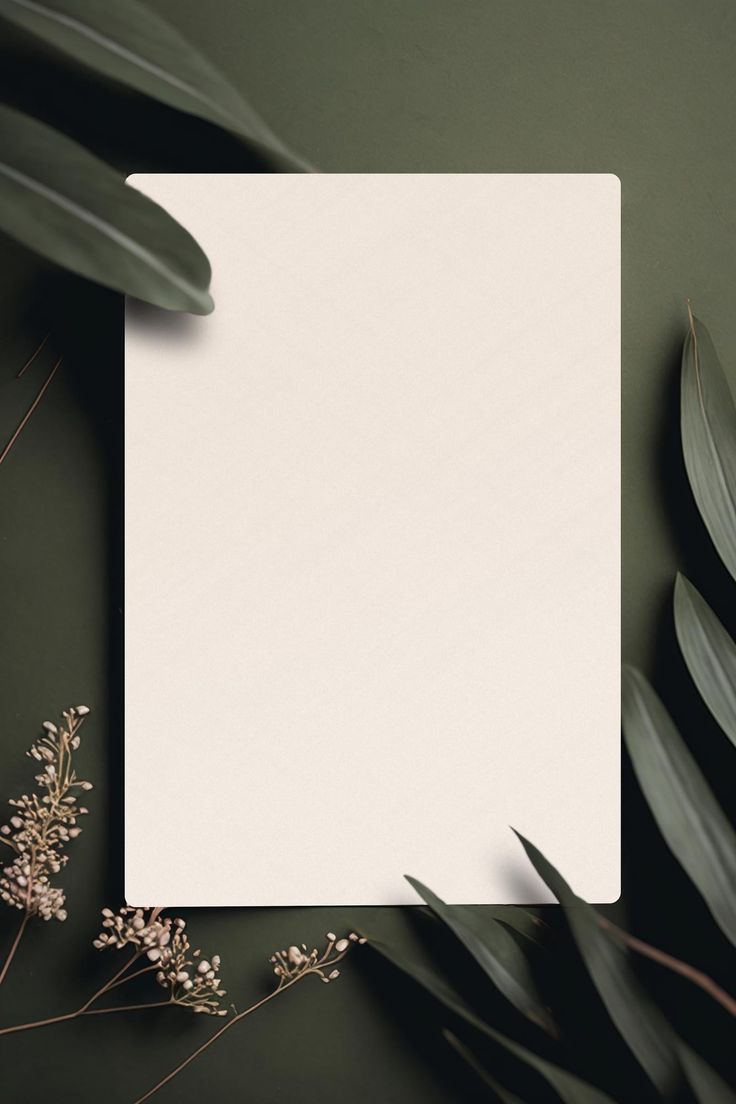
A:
(480, 1071)
(59, 200)
(641, 1024)
(708, 1086)
(708, 425)
(125, 40)
(571, 1089)
(526, 923)
(689, 817)
(709, 652)
(496, 952)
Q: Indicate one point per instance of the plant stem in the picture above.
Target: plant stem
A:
(316, 967)
(33, 356)
(208, 1042)
(38, 1023)
(14, 948)
(124, 981)
(109, 984)
(84, 1009)
(30, 410)
(697, 977)
(88, 1012)
(126, 1008)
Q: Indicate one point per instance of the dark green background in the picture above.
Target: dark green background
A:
(645, 90)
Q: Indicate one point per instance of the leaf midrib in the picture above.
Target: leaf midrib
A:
(114, 47)
(107, 229)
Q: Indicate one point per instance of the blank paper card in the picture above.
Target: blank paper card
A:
(372, 543)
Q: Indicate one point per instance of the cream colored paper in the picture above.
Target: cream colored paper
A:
(372, 543)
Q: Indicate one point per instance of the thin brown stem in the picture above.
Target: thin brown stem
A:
(324, 961)
(75, 1015)
(126, 1007)
(213, 1038)
(38, 1023)
(31, 408)
(136, 973)
(14, 948)
(109, 984)
(33, 356)
(82, 1011)
(697, 977)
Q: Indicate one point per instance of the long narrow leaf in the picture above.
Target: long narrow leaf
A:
(59, 200)
(571, 1089)
(708, 1086)
(504, 1095)
(129, 42)
(640, 1023)
(709, 652)
(496, 952)
(708, 425)
(689, 817)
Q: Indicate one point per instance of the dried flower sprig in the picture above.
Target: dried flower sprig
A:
(42, 826)
(162, 945)
(190, 980)
(290, 966)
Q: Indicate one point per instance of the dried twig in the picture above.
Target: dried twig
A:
(24, 421)
(33, 356)
(697, 977)
(290, 967)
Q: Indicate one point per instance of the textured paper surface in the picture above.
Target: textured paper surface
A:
(372, 543)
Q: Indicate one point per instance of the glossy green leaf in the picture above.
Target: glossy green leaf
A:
(571, 1089)
(708, 1086)
(640, 1023)
(708, 424)
(689, 817)
(129, 42)
(59, 200)
(504, 1095)
(496, 952)
(709, 652)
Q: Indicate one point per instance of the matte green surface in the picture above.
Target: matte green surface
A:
(645, 90)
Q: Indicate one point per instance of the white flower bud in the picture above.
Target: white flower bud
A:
(341, 945)
(81, 710)
(203, 967)
(50, 727)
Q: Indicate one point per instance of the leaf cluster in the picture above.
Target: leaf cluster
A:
(60, 200)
